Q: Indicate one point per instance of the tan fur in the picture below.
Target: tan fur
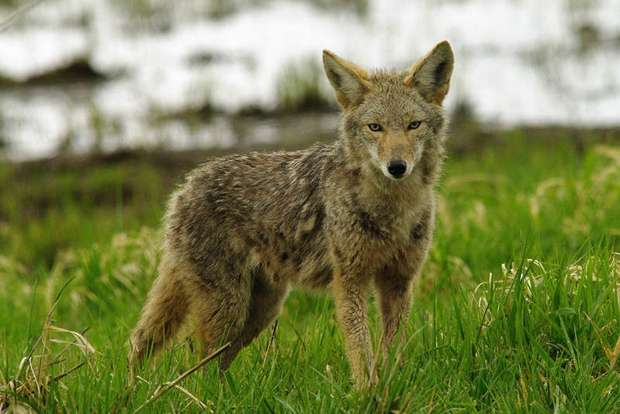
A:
(245, 229)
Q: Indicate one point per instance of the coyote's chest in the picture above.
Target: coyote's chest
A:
(309, 257)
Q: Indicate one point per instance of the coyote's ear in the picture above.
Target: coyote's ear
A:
(431, 74)
(349, 81)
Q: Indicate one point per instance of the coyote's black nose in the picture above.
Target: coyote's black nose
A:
(397, 168)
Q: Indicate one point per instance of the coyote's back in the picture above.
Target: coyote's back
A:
(244, 229)
(264, 210)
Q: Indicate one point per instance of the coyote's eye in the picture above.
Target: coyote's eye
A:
(375, 127)
(414, 125)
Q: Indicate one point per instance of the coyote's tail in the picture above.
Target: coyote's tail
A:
(162, 316)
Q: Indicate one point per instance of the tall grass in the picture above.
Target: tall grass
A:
(299, 87)
(517, 310)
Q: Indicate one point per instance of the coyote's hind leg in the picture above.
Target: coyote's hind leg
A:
(220, 308)
(265, 305)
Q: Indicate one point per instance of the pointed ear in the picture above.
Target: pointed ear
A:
(431, 74)
(348, 80)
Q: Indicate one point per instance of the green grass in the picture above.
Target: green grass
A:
(43, 212)
(517, 309)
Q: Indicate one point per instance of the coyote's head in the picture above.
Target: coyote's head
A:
(389, 117)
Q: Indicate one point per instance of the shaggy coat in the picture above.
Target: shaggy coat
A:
(359, 212)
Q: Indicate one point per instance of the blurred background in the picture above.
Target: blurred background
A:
(79, 76)
(104, 104)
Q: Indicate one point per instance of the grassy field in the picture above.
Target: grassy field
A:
(517, 309)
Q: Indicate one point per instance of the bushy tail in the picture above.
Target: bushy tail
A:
(162, 316)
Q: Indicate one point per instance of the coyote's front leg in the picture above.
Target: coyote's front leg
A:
(350, 294)
(394, 291)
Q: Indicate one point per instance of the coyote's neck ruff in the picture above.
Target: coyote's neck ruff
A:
(245, 229)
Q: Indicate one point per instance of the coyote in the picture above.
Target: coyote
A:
(359, 212)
